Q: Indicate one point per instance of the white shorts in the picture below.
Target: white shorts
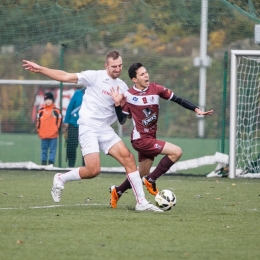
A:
(92, 140)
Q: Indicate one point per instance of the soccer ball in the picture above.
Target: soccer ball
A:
(165, 199)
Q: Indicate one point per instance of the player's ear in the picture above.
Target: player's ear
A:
(106, 65)
(134, 80)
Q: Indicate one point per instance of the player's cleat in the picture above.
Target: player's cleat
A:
(151, 187)
(147, 207)
(114, 197)
(57, 187)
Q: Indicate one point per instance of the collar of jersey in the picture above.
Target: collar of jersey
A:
(108, 78)
(139, 90)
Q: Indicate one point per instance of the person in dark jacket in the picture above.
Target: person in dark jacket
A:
(72, 128)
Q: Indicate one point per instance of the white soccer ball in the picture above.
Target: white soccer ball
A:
(165, 199)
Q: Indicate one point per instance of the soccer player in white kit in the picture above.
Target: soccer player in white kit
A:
(96, 115)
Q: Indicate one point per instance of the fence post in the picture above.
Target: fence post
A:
(62, 50)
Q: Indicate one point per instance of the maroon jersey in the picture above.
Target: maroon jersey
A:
(143, 105)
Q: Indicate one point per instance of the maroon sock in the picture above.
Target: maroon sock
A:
(123, 187)
(164, 165)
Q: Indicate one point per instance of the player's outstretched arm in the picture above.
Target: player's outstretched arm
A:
(200, 112)
(58, 75)
(188, 105)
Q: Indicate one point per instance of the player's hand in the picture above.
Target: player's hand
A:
(31, 66)
(117, 97)
(123, 101)
(65, 127)
(200, 112)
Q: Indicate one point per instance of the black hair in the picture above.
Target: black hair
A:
(48, 95)
(133, 68)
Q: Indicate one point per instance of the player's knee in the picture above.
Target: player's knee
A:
(89, 172)
(128, 159)
(131, 157)
(178, 152)
(176, 155)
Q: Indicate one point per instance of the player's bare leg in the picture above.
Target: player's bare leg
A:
(173, 151)
(120, 152)
(92, 166)
(144, 170)
(145, 167)
(172, 154)
(89, 171)
(126, 158)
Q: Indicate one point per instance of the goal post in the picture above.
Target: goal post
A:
(244, 137)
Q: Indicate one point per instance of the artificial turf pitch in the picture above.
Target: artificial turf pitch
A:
(214, 218)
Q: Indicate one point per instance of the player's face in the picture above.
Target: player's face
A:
(114, 67)
(142, 78)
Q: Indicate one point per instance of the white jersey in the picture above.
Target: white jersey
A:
(97, 109)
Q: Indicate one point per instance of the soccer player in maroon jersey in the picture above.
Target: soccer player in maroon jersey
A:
(141, 103)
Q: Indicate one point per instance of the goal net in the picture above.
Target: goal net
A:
(164, 35)
(245, 114)
(20, 145)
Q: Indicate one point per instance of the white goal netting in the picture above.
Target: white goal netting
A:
(248, 114)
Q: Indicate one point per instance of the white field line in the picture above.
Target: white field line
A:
(52, 206)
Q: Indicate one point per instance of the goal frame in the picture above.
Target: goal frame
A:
(235, 54)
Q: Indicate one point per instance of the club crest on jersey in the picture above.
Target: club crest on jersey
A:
(144, 100)
(157, 146)
(105, 81)
(147, 111)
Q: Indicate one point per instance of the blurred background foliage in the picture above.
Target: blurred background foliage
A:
(162, 34)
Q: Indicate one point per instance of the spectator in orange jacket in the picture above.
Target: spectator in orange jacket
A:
(48, 124)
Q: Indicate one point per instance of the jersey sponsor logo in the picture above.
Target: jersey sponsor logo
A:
(149, 120)
(144, 100)
(157, 146)
(135, 99)
(105, 92)
(152, 99)
(150, 117)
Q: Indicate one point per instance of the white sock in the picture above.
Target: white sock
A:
(70, 176)
(137, 187)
